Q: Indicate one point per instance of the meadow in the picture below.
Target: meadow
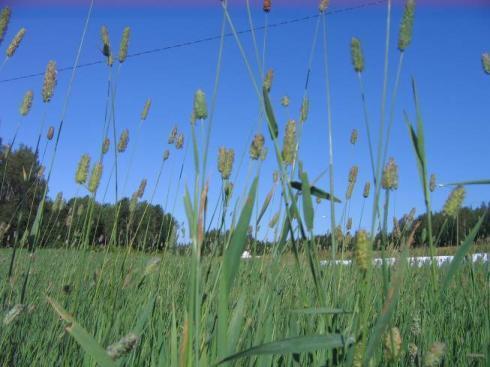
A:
(90, 281)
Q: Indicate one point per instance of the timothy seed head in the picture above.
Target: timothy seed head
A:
(123, 141)
(257, 146)
(151, 265)
(268, 80)
(200, 111)
(95, 178)
(141, 189)
(123, 346)
(15, 43)
(415, 328)
(26, 105)
(225, 162)
(166, 154)
(454, 201)
(82, 170)
(285, 101)
(362, 250)
(432, 183)
(412, 352)
(289, 146)
(123, 48)
(393, 344)
(305, 108)
(485, 61)
(267, 6)
(353, 136)
(179, 142)
(4, 21)
(390, 176)
(58, 202)
(348, 226)
(323, 5)
(367, 188)
(357, 55)
(350, 190)
(173, 135)
(13, 314)
(146, 109)
(435, 354)
(106, 44)
(133, 202)
(50, 133)
(49, 81)
(228, 190)
(406, 27)
(105, 145)
(354, 171)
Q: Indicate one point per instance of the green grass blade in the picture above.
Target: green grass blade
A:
(465, 183)
(265, 205)
(320, 311)
(307, 202)
(273, 129)
(315, 191)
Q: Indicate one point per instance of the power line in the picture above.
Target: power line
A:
(206, 39)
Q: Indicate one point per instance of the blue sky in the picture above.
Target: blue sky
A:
(444, 58)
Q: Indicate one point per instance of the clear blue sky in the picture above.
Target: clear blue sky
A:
(444, 58)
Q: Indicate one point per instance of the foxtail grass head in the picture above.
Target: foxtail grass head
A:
(82, 169)
(106, 44)
(406, 27)
(106, 145)
(123, 141)
(323, 5)
(348, 226)
(13, 314)
(267, 5)
(305, 108)
(435, 354)
(179, 141)
(357, 55)
(123, 48)
(269, 76)
(50, 133)
(123, 346)
(367, 189)
(454, 202)
(289, 146)
(141, 188)
(228, 191)
(285, 101)
(432, 183)
(226, 158)
(58, 202)
(15, 43)
(354, 171)
(95, 177)
(26, 105)
(49, 82)
(353, 136)
(166, 154)
(146, 109)
(200, 111)
(362, 251)
(393, 345)
(4, 21)
(485, 61)
(173, 135)
(390, 176)
(257, 146)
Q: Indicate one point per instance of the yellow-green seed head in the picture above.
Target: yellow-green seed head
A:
(4, 21)
(367, 188)
(257, 146)
(362, 250)
(323, 5)
(485, 61)
(49, 82)
(58, 202)
(348, 226)
(26, 105)
(123, 48)
(225, 162)
(435, 354)
(454, 202)
(268, 80)
(285, 101)
(50, 133)
(80, 210)
(95, 178)
(357, 55)
(123, 141)
(179, 141)
(82, 170)
(360, 348)
(200, 110)
(289, 146)
(173, 135)
(350, 190)
(432, 183)
(146, 109)
(13, 314)
(354, 171)
(353, 136)
(305, 108)
(406, 27)
(133, 202)
(393, 344)
(141, 189)
(15, 43)
(166, 154)
(123, 346)
(390, 176)
(105, 145)
(412, 352)
(106, 44)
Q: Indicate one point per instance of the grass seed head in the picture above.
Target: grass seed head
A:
(49, 82)
(4, 21)
(393, 344)
(348, 226)
(285, 101)
(106, 44)
(15, 43)
(435, 354)
(123, 346)
(13, 314)
(179, 141)
(485, 61)
(354, 171)
(58, 202)
(323, 5)
(362, 250)
(289, 146)
(357, 55)
(146, 109)
(26, 105)
(268, 80)
(353, 136)
(228, 190)
(406, 27)
(200, 111)
(50, 133)
(257, 146)
(390, 176)
(173, 135)
(166, 154)
(305, 108)
(123, 48)
(350, 190)
(82, 170)
(226, 158)
(267, 6)
(123, 141)
(454, 202)
(142, 188)
(432, 183)
(95, 178)
(367, 188)
(106, 145)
